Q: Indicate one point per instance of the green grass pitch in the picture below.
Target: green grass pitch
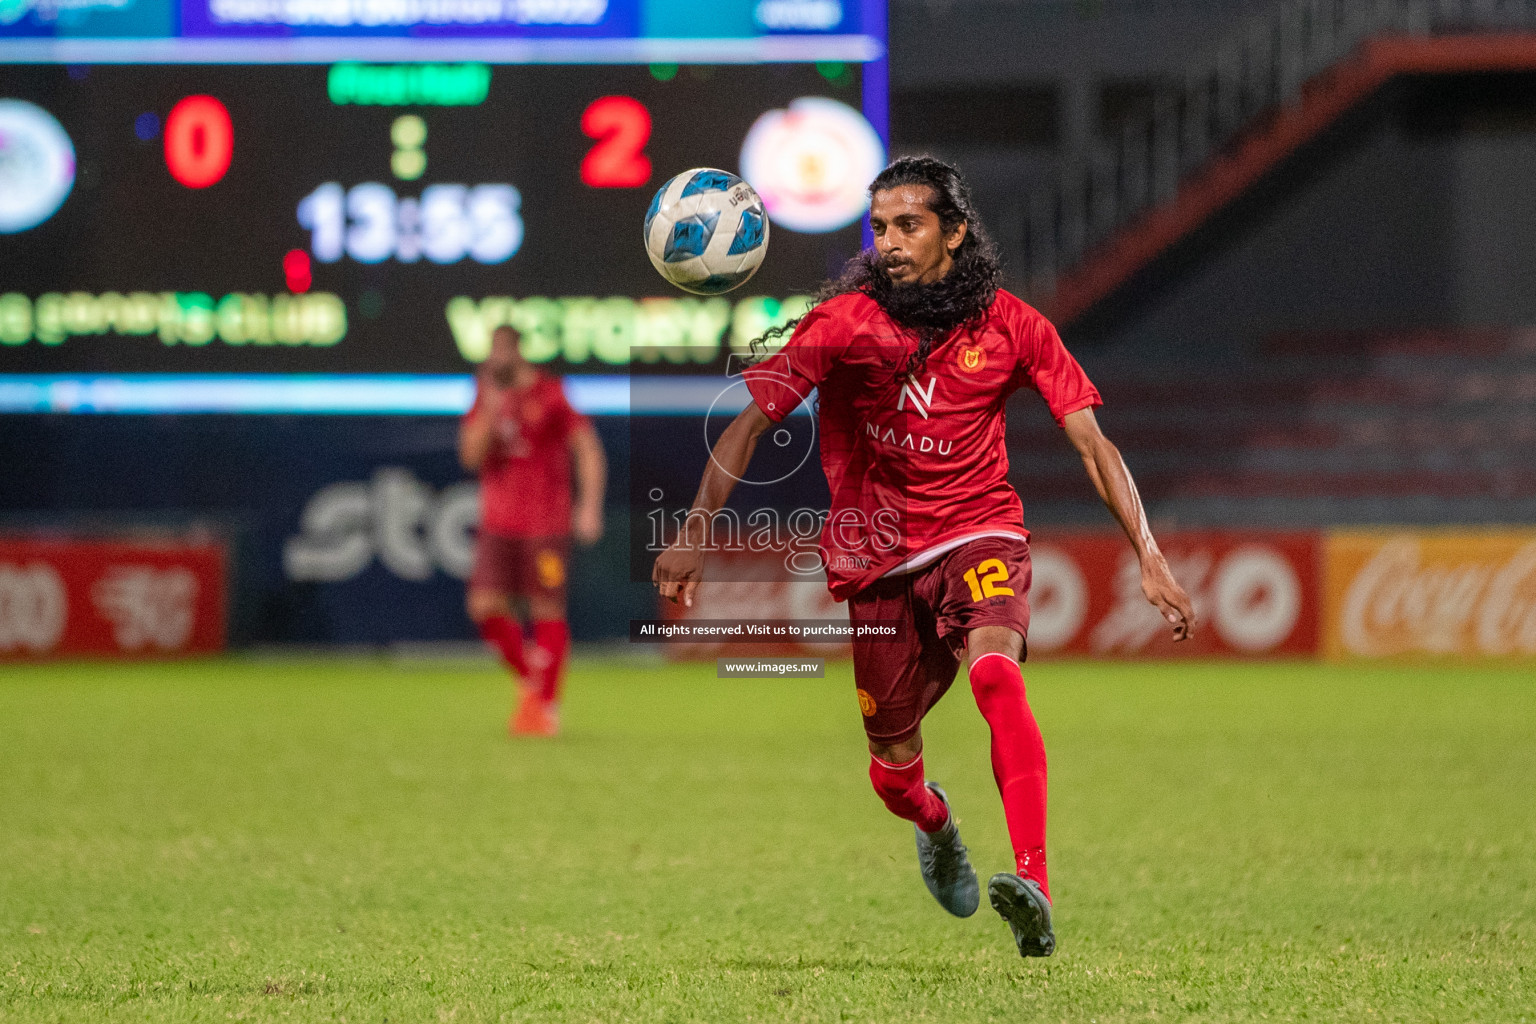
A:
(353, 841)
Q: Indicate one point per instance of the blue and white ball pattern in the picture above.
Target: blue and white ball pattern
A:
(706, 231)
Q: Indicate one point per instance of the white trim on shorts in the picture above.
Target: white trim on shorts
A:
(922, 558)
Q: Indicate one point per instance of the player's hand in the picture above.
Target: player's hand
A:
(1158, 584)
(587, 525)
(677, 573)
(492, 397)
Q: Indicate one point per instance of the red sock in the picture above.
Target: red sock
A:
(901, 787)
(504, 634)
(1018, 759)
(553, 637)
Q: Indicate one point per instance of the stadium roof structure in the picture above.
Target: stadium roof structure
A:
(1228, 177)
(1272, 88)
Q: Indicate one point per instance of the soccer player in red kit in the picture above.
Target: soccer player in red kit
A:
(913, 353)
(521, 436)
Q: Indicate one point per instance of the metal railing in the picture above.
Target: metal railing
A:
(1261, 68)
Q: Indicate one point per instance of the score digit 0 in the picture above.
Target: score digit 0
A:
(199, 141)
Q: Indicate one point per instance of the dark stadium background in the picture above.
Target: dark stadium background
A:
(1293, 242)
(1338, 341)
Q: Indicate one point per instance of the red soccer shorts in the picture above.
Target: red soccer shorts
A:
(523, 566)
(983, 583)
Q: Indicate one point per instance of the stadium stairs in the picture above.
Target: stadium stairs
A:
(1273, 87)
(1310, 429)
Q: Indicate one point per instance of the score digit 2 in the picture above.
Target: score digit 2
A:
(622, 126)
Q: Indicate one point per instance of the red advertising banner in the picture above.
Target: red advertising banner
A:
(62, 598)
(1255, 595)
(771, 599)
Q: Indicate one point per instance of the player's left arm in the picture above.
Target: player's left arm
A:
(591, 481)
(1113, 481)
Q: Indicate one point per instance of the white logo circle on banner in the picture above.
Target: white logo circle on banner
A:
(1058, 599)
(1257, 598)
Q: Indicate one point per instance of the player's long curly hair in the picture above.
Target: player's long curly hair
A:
(932, 310)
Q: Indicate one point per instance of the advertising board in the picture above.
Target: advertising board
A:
(1256, 595)
(1393, 594)
(110, 598)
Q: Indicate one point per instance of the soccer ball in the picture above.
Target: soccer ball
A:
(706, 231)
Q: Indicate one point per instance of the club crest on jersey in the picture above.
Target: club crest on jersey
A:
(550, 568)
(971, 358)
(922, 398)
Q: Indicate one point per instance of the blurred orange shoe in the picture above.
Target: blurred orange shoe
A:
(528, 718)
(534, 717)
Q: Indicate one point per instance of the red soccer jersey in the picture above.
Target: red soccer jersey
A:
(913, 463)
(525, 480)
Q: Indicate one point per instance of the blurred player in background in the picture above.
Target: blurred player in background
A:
(913, 352)
(522, 437)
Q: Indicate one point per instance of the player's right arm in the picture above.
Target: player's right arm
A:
(1113, 481)
(778, 386)
(478, 430)
(1049, 368)
(679, 569)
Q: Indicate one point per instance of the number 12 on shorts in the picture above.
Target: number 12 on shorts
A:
(987, 579)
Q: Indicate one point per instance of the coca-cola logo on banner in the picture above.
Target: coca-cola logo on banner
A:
(1464, 594)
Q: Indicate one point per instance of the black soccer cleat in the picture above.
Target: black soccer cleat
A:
(1023, 905)
(947, 872)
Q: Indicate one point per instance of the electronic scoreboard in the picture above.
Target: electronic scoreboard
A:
(357, 218)
(351, 217)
